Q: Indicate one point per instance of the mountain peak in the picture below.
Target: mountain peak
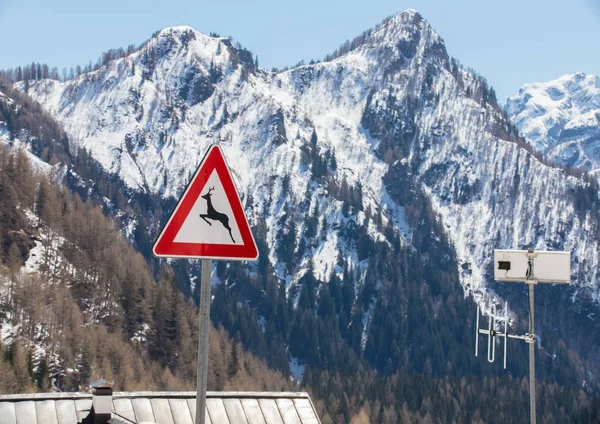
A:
(188, 45)
(399, 25)
(406, 16)
(405, 34)
(408, 33)
(409, 11)
(180, 35)
(560, 118)
(576, 76)
(176, 29)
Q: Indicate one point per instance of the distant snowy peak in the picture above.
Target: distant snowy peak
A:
(561, 119)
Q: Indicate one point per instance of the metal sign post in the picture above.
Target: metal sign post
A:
(203, 330)
(519, 266)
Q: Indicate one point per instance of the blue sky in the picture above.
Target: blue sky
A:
(509, 42)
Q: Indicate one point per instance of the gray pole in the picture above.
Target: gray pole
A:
(531, 282)
(203, 330)
(531, 358)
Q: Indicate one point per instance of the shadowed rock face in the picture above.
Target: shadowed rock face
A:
(561, 119)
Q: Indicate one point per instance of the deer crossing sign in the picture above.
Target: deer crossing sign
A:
(208, 221)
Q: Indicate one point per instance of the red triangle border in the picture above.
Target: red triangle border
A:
(165, 246)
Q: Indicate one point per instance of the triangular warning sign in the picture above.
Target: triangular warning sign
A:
(208, 221)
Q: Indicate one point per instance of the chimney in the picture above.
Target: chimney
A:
(101, 401)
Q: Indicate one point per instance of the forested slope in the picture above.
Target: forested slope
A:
(78, 303)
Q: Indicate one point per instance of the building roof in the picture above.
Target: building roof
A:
(162, 408)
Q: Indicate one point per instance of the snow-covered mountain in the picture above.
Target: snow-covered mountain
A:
(561, 119)
(390, 112)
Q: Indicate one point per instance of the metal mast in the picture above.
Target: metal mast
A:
(531, 281)
(518, 266)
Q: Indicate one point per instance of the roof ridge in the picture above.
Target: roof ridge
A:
(151, 394)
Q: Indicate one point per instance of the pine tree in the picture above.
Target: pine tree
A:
(233, 363)
(19, 362)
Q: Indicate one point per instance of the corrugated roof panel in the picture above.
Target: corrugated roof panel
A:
(162, 411)
(288, 411)
(25, 411)
(253, 412)
(46, 412)
(7, 412)
(162, 407)
(82, 408)
(270, 411)
(65, 409)
(143, 409)
(235, 411)
(216, 410)
(181, 411)
(305, 411)
(192, 405)
(124, 409)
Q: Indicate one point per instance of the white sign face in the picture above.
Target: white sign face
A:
(548, 267)
(209, 220)
(199, 227)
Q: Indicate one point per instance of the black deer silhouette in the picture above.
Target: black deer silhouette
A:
(213, 214)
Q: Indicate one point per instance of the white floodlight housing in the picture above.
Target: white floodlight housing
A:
(549, 267)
